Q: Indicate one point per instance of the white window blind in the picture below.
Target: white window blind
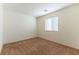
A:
(51, 24)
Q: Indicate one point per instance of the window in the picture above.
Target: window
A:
(51, 24)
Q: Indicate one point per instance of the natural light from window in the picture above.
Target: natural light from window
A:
(51, 24)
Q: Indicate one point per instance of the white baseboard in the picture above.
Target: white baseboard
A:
(59, 43)
(15, 40)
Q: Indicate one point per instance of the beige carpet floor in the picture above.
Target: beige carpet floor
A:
(37, 46)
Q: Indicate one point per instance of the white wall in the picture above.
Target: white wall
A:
(18, 26)
(1, 26)
(68, 33)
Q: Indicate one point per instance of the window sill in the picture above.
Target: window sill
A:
(50, 31)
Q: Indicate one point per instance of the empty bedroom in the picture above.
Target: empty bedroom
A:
(39, 28)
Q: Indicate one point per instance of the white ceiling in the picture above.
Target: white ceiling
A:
(36, 9)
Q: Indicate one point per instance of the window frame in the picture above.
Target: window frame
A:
(52, 30)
